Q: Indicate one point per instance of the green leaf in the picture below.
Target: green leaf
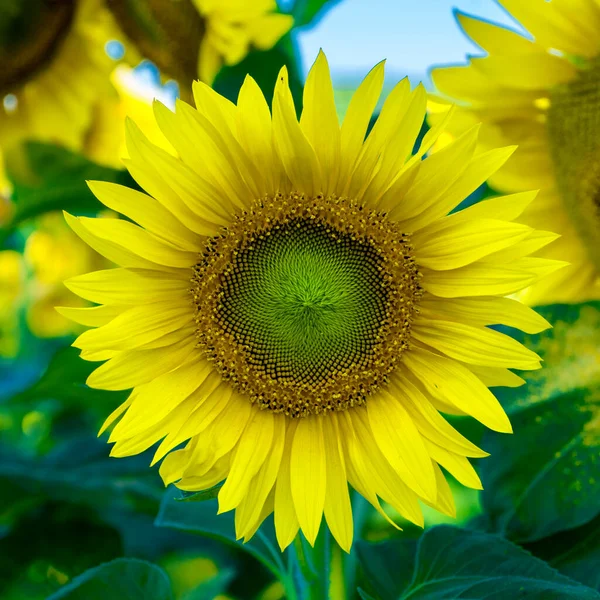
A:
(459, 563)
(30, 554)
(363, 595)
(575, 553)
(54, 178)
(81, 471)
(202, 518)
(544, 478)
(212, 588)
(264, 68)
(388, 566)
(120, 579)
(64, 380)
(309, 12)
(202, 496)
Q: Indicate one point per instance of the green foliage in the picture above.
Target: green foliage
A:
(201, 518)
(545, 478)
(308, 12)
(49, 178)
(451, 562)
(575, 553)
(128, 578)
(388, 566)
(64, 378)
(79, 470)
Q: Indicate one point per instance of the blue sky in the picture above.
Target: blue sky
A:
(411, 34)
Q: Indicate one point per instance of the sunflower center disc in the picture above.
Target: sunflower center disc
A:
(305, 305)
(30, 33)
(574, 130)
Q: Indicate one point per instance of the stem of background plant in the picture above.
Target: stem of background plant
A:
(318, 571)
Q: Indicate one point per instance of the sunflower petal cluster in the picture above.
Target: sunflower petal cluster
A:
(538, 90)
(260, 229)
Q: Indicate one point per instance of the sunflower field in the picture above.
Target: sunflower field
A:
(274, 327)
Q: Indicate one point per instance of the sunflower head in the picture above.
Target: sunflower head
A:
(42, 42)
(296, 305)
(31, 31)
(194, 38)
(541, 92)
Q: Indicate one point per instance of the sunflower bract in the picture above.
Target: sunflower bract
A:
(297, 306)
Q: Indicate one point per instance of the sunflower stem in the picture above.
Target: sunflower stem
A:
(318, 570)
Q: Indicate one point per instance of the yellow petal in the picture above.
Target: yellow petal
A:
(357, 119)
(128, 286)
(250, 510)
(455, 384)
(485, 310)
(286, 521)
(338, 511)
(429, 421)
(308, 474)
(253, 449)
(457, 465)
(475, 345)
(147, 212)
(128, 369)
(401, 443)
(319, 121)
(296, 153)
(136, 326)
(95, 316)
(444, 246)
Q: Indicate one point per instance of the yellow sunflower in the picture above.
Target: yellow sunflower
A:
(197, 37)
(541, 92)
(295, 305)
(54, 69)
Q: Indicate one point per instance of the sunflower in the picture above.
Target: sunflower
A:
(200, 36)
(54, 69)
(541, 92)
(296, 306)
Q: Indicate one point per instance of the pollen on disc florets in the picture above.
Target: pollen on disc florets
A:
(305, 304)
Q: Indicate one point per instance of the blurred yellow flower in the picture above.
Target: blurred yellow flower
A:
(199, 36)
(12, 279)
(54, 69)
(541, 94)
(52, 254)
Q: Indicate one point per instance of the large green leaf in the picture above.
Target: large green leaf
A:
(54, 178)
(64, 380)
(460, 563)
(387, 566)
(264, 68)
(80, 470)
(32, 563)
(120, 579)
(308, 12)
(575, 553)
(545, 477)
(202, 518)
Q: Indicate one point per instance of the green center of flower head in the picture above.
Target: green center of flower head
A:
(31, 31)
(305, 305)
(574, 130)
